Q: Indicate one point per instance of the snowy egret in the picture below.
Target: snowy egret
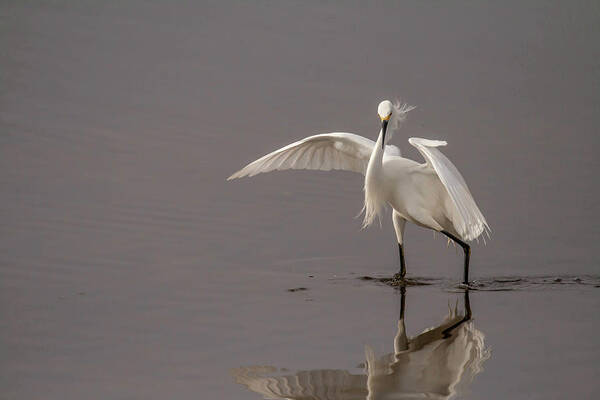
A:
(433, 195)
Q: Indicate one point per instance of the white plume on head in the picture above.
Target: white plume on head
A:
(399, 112)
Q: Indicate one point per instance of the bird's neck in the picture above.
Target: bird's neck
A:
(374, 194)
(376, 160)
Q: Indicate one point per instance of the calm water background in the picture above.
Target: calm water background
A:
(129, 267)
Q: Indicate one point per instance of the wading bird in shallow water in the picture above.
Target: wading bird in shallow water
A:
(433, 195)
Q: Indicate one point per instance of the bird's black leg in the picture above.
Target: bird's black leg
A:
(467, 249)
(399, 276)
(402, 262)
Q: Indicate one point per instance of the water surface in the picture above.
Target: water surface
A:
(129, 267)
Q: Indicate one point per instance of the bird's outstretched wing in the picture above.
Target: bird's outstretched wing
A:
(470, 222)
(327, 151)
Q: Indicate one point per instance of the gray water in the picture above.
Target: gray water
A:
(129, 267)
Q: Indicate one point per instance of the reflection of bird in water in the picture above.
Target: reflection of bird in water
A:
(433, 195)
(438, 363)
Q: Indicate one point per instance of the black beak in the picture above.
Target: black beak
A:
(384, 124)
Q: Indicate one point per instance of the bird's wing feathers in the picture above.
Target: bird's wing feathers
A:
(327, 151)
(471, 223)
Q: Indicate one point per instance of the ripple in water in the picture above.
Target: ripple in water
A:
(505, 283)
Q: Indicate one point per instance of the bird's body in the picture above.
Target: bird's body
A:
(413, 190)
(433, 195)
(417, 195)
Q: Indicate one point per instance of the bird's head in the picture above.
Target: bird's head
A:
(391, 116)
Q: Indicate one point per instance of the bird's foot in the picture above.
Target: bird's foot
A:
(467, 285)
(398, 280)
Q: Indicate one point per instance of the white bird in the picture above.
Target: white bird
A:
(433, 195)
